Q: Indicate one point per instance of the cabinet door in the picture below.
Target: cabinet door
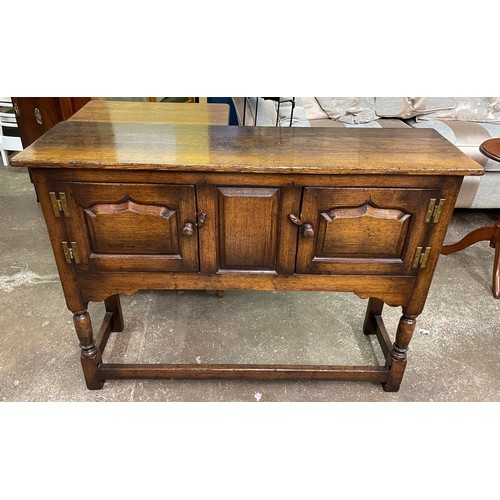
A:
(248, 228)
(363, 230)
(144, 227)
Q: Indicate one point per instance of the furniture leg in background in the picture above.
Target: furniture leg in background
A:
(9, 132)
(491, 149)
(487, 233)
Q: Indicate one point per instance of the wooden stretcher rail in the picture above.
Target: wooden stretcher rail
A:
(244, 371)
(240, 371)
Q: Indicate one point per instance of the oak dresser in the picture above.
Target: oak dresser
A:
(131, 206)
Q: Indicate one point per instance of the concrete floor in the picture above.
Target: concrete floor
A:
(454, 355)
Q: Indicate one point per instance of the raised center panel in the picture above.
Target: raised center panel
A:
(143, 228)
(364, 231)
(248, 228)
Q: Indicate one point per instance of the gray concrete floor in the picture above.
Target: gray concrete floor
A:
(454, 355)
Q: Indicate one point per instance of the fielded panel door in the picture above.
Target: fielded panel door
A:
(363, 230)
(129, 226)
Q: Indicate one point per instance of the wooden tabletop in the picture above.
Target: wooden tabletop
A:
(153, 112)
(491, 149)
(211, 148)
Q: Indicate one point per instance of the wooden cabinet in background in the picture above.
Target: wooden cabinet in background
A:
(36, 115)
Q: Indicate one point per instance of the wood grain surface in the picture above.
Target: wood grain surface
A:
(206, 207)
(215, 148)
(491, 148)
(153, 112)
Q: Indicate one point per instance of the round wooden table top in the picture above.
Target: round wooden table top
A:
(491, 149)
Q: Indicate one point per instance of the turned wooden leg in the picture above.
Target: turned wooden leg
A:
(496, 273)
(397, 361)
(219, 293)
(113, 305)
(495, 243)
(90, 354)
(374, 308)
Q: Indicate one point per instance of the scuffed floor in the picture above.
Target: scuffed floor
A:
(454, 355)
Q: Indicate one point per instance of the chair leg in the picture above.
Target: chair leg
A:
(481, 234)
(491, 233)
(495, 243)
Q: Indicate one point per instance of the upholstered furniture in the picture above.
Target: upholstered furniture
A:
(465, 121)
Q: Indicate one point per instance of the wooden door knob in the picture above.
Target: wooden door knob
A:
(188, 229)
(308, 231)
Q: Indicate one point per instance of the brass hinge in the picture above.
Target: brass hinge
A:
(59, 204)
(434, 211)
(420, 257)
(71, 252)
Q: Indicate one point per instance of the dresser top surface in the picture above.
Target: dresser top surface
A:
(153, 112)
(212, 148)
